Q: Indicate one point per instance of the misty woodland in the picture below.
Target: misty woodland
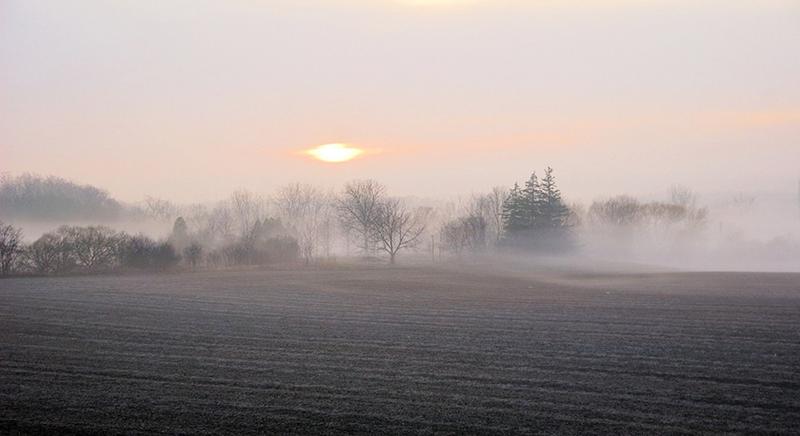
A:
(308, 224)
(399, 217)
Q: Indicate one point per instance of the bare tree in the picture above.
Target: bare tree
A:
(220, 223)
(359, 208)
(52, 253)
(464, 233)
(10, 247)
(618, 211)
(160, 209)
(695, 217)
(743, 202)
(95, 247)
(328, 224)
(43, 254)
(292, 201)
(310, 229)
(246, 209)
(306, 210)
(682, 196)
(491, 206)
(396, 228)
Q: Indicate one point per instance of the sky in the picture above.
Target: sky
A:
(191, 99)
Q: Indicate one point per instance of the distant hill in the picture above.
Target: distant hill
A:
(35, 198)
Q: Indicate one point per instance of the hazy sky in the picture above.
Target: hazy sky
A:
(189, 100)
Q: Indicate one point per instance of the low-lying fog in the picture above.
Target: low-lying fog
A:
(681, 229)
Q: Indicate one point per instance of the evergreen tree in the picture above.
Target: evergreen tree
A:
(180, 234)
(536, 217)
(515, 211)
(180, 230)
(553, 212)
(532, 201)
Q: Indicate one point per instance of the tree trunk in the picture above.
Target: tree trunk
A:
(391, 258)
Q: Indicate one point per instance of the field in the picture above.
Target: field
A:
(401, 350)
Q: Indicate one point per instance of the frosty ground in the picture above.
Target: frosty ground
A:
(366, 349)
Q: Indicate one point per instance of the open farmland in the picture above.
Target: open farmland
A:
(401, 350)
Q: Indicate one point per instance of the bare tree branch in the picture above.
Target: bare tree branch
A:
(358, 209)
(397, 228)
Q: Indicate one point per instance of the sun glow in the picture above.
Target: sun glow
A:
(436, 2)
(335, 153)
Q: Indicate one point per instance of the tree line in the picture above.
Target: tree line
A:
(624, 226)
(238, 231)
(34, 198)
(73, 249)
(308, 224)
(531, 217)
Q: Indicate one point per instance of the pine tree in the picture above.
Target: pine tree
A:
(180, 230)
(533, 199)
(179, 237)
(554, 213)
(515, 213)
(536, 217)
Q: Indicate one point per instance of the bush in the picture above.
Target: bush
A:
(261, 252)
(193, 253)
(141, 252)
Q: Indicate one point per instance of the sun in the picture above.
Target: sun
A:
(335, 153)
